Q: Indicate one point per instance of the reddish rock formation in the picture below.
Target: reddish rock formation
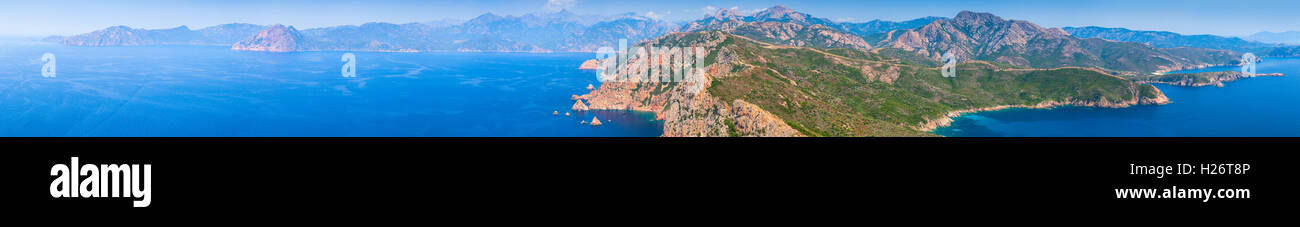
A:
(691, 114)
(595, 122)
(592, 64)
(751, 118)
(277, 38)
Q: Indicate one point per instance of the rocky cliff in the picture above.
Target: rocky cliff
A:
(685, 113)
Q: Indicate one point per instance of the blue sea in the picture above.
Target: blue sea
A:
(171, 91)
(1260, 106)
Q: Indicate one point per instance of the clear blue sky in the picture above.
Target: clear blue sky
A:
(66, 17)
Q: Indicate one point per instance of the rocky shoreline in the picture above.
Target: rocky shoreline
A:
(1189, 79)
(947, 119)
(688, 115)
(1165, 70)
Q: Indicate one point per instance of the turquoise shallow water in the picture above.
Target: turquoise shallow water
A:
(213, 91)
(1261, 106)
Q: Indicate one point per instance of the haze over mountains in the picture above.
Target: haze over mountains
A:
(225, 34)
(540, 32)
(970, 35)
(1173, 40)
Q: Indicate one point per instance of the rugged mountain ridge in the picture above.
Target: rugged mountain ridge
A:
(781, 25)
(984, 36)
(221, 35)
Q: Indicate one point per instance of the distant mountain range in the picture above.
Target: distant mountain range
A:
(539, 32)
(277, 38)
(225, 34)
(543, 32)
(782, 25)
(1173, 40)
(977, 36)
(1288, 37)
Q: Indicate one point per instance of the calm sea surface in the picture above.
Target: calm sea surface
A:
(213, 91)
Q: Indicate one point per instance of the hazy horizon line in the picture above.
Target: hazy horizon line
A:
(678, 21)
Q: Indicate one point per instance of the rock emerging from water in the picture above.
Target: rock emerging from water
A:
(579, 106)
(592, 64)
(595, 122)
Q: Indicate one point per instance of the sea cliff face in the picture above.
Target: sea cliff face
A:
(688, 114)
(592, 64)
(277, 38)
(761, 89)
